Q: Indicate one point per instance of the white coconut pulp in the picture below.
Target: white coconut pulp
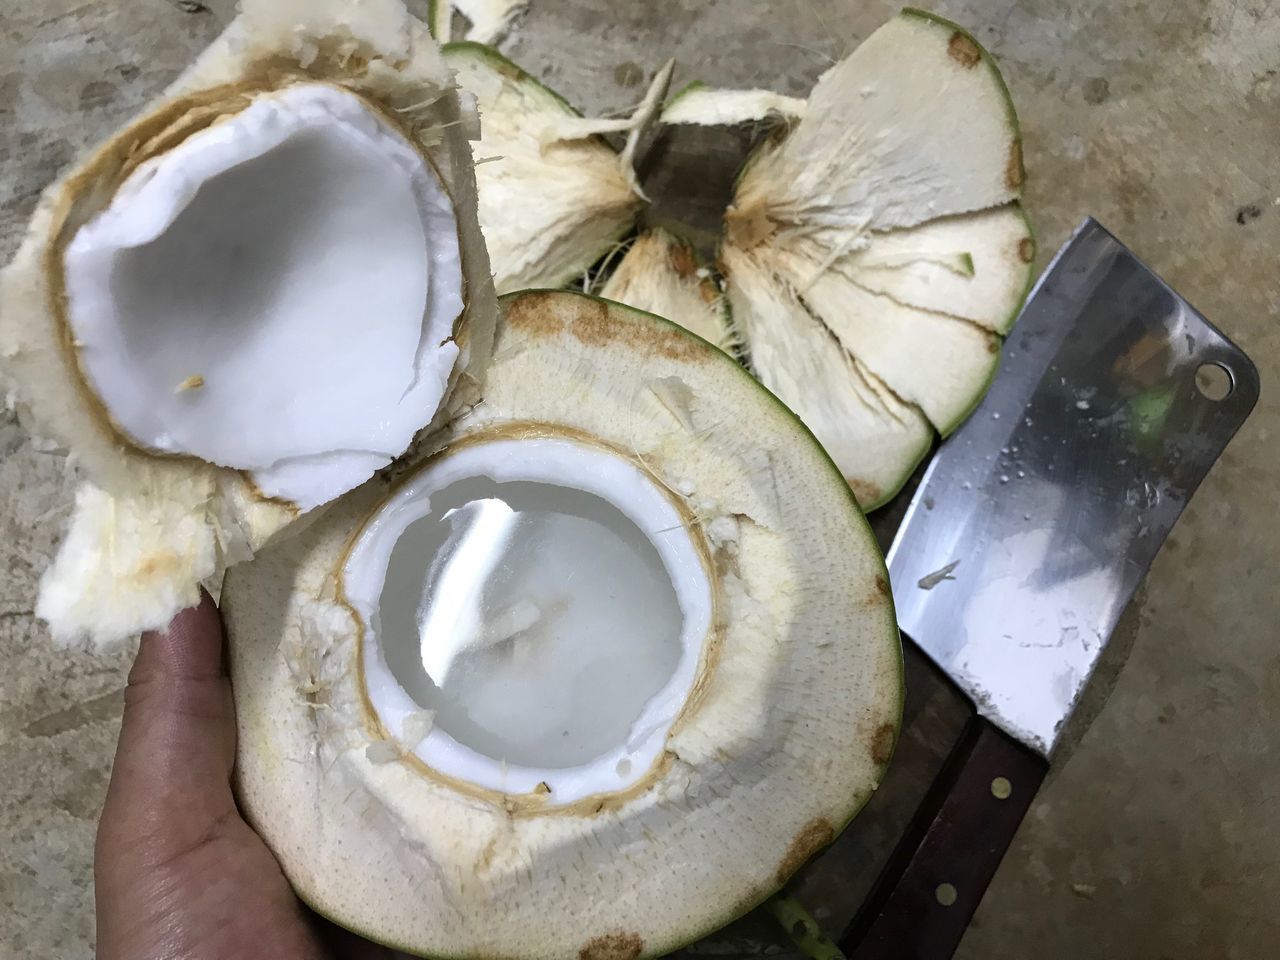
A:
(213, 303)
(544, 601)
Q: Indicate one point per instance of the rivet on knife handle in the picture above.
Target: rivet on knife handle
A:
(941, 869)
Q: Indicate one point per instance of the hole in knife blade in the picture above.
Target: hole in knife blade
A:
(1214, 381)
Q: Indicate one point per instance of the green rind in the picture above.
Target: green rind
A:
(1031, 271)
(434, 8)
(1011, 115)
(945, 430)
(513, 71)
(893, 489)
(1006, 328)
(684, 91)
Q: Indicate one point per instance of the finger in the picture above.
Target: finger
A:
(172, 773)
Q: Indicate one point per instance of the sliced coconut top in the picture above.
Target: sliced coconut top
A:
(661, 273)
(554, 196)
(276, 294)
(915, 124)
(191, 299)
(707, 106)
(646, 825)
(875, 437)
(885, 227)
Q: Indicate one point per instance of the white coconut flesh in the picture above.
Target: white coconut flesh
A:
(884, 230)
(543, 601)
(706, 106)
(660, 273)
(592, 680)
(554, 197)
(276, 294)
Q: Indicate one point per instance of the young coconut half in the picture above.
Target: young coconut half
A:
(591, 680)
(247, 301)
(662, 273)
(554, 196)
(876, 253)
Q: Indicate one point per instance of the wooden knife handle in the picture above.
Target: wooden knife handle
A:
(933, 883)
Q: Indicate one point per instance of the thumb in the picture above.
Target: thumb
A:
(172, 775)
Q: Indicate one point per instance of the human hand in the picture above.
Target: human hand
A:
(177, 870)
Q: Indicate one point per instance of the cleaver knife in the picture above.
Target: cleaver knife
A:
(1030, 531)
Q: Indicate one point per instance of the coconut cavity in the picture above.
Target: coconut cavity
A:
(543, 603)
(276, 294)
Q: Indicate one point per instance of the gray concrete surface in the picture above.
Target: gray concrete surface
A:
(1158, 837)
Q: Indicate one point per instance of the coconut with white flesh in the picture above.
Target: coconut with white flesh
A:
(554, 196)
(662, 274)
(875, 254)
(248, 301)
(591, 680)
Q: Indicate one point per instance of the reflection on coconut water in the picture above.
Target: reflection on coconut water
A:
(535, 620)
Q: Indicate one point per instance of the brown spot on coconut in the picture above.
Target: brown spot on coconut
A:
(535, 313)
(964, 50)
(882, 741)
(813, 836)
(683, 262)
(864, 492)
(613, 946)
(748, 228)
(593, 325)
(1014, 174)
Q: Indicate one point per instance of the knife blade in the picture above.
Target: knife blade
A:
(1028, 535)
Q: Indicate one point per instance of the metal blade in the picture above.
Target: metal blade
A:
(1038, 518)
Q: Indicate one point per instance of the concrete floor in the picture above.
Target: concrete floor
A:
(1158, 836)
